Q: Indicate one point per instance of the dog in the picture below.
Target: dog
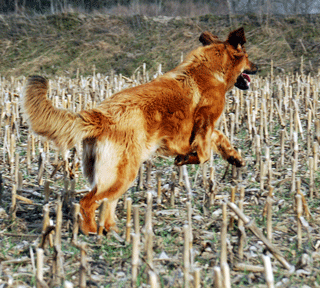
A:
(174, 114)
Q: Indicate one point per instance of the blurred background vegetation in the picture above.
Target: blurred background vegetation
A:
(165, 7)
(59, 37)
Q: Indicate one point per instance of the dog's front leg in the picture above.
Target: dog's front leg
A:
(205, 138)
(221, 145)
(200, 140)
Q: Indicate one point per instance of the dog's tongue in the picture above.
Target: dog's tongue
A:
(246, 76)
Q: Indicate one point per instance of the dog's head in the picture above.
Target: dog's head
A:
(238, 57)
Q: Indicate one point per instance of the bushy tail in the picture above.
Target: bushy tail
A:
(63, 127)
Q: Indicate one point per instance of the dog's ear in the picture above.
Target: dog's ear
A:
(207, 38)
(236, 37)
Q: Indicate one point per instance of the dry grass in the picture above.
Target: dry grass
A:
(60, 44)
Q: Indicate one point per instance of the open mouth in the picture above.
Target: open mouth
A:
(243, 81)
(246, 78)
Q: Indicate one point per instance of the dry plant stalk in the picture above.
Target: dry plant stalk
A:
(153, 279)
(24, 199)
(66, 192)
(83, 265)
(186, 256)
(282, 140)
(268, 271)
(29, 154)
(197, 278)
(39, 275)
(304, 201)
(12, 151)
(217, 277)
(75, 229)
(250, 224)
(41, 162)
(248, 267)
(234, 171)
(46, 190)
(149, 168)
(242, 232)
(258, 150)
(149, 247)
(148, 229)
(212, 181)
(1, 188)
(135, 257)
(224, 226)
(148, 223)
(72, 190)
(262, 174)
(128, 224)
(16, 174)
(187, 182)
(226, 282)
(231, 115)
(20, 181)
(140, 180)
(172, 189)
(158, 187)
(13, 208)
(204, 175)
(311, 182)
(33, 261)
(315, 149)
(249, 113)
(232, 200)
(6, 144)
(299, 215)
(267, 212)
(189, 216)
(58, 223)
(294, 169)
(45, 226)
(180, 176)
(268, 165)
(136, 220)
(58, 272)
(309, 131)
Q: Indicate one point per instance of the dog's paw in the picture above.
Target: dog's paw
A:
(111, 226)
(181, 160)
(238, 162)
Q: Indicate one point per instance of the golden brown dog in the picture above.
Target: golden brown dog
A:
(175, 114)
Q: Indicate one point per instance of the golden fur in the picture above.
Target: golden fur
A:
(175, 114)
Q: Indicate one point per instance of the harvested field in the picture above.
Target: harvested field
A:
(181, 232)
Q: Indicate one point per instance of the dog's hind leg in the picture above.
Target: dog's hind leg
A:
(113, 176)
(88, 206)
(92, 200)
(110, 219)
